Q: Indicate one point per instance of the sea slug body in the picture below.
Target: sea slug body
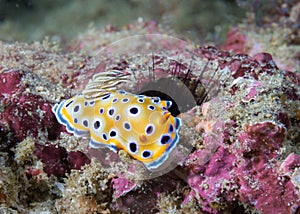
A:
(138, 124)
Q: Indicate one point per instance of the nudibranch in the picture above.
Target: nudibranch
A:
(140, 125)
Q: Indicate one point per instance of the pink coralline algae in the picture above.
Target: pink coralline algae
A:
(241, 65)
(57, 161)
(122, 186)
(242, 162)
(236, 42)
(77, 159)
(245, 66)
(253, 91)
(241, 40)
(260, 181)
(262, 137)
(290, 163)
(265, 188)
(54, 159)
(246, 175)
(23, 114)
(208, 182)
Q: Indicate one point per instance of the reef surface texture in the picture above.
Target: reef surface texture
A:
(245, 136)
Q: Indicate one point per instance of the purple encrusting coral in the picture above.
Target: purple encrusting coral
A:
(245, 155)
